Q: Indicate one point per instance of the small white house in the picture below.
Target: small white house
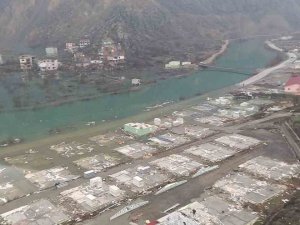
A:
(48, 65)
(136, 81)
(173, 65)
(96, 61)
(186, 63)
(71, 47)
(84, 42)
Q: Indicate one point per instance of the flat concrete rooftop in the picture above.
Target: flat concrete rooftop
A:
(211, 152)
(271, 168)
(41, 212)
(136, 150)
(177, 164)
(243, 188)
(238, 141)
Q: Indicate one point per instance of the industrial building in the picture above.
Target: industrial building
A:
(139, 129)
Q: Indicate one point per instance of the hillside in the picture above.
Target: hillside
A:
(149, 29)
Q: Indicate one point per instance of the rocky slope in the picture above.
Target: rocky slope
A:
(149, 29)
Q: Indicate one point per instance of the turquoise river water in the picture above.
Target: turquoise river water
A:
(33, 124)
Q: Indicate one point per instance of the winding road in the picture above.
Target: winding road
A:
(291, 58)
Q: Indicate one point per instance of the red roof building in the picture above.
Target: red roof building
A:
(292, 86)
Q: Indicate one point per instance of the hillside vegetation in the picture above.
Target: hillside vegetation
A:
(149, 29)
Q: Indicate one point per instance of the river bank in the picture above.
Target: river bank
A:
(273, 46)
(118, 82)
(291, 58)
(33, 125)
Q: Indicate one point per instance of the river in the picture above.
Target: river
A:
(35, 124)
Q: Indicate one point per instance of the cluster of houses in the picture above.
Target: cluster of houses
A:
(108, 55)
(49, 63)
(180, 65)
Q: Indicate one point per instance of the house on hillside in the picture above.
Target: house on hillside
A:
(292, 86)
(107, 42)
(136, 82)
(26, 62)
(48, 65)
(71, 47)
(173, 65)
(112, 54)
(84, 42)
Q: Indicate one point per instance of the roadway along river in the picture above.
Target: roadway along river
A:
(35, 124)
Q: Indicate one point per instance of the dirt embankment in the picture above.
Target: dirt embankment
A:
(289, 214)
(212, 58)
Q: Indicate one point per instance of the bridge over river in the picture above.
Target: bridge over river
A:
(245, 72)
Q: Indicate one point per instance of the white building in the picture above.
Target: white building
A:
(48, 64)
(186, 63)
(51, 51)
(71, 47)
(96, 61)
(136, 81)
(84, 42)
(118, 58)
(173, 65)
(26, 62)
(139, 129)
